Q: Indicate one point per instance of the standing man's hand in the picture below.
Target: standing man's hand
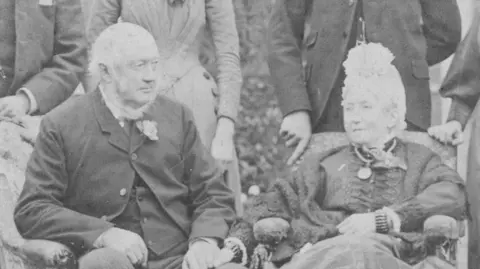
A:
(31, 128)
(448, 133)
(126, 242)
(14, 106)
(296, 130)
(201, 255)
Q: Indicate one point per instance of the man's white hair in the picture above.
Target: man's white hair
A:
(112, 43)
(369, 68)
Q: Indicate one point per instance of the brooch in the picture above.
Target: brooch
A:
(364, 173)
(148, 128)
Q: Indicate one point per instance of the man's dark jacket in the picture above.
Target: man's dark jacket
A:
(50, 52)
(420, 33)
(82, 169)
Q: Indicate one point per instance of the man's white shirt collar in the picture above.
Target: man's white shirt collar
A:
(115, 110)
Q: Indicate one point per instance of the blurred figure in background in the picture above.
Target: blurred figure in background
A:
(420, 33)
(42, 54)
(177, 26)
(462, 85)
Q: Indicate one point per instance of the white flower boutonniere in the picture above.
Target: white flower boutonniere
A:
(148, 128)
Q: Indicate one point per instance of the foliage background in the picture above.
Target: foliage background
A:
(261, 153)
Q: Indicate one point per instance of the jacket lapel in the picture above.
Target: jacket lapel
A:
(108, 123)
(137, 137)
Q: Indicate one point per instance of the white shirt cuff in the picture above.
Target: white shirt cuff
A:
(206, 239)
(33, 103)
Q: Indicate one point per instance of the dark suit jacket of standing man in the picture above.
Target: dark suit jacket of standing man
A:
(462, 85)
(44, 50)
(418, 32)
(81, 179)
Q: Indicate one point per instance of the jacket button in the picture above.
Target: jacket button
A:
(123, 192)
(145, 220)
(104, 217)
(134, 157)
(150, 242)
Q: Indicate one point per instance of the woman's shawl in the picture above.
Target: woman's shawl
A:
(295, 200)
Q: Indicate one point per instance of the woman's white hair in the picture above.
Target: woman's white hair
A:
(369, 68)
(113, 42)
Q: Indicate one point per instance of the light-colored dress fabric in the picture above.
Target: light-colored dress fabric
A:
(178, 30)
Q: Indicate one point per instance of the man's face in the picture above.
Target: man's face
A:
(366, 120)
(137, 74)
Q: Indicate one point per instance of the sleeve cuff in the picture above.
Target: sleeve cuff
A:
(238, 249)
(227, 117)
(33, 102)
(214, 228)
(459, 111)
(205, 239)
(308, 111)
(394, 217)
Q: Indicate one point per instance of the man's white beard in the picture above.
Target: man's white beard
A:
(122, 111)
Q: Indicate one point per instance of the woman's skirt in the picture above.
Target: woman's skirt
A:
(198, 90)
(376, 251)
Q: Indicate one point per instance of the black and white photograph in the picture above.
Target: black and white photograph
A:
(239, 134)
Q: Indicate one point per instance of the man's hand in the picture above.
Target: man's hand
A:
(201, 255)
(450, 132)
(296, 130)
(31, 128)
(14, 106)
(358, 224)
(126, 242)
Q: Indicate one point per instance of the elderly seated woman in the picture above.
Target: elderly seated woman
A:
(351, 207)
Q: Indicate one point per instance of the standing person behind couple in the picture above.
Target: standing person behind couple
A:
(462, 85)
(420, 33)
(42, 54)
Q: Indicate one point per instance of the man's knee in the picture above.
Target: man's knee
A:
(104, 258)
(232, 266)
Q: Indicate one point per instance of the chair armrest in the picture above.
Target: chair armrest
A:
(440, 225)
(15, 251)
(40, 254)
(441, 236)
(48, 253)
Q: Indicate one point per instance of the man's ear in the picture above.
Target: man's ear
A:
(105, 73)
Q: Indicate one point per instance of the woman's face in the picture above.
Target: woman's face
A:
(366, 121)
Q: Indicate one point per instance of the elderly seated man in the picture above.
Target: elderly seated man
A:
(120, 175)
(348, 207)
